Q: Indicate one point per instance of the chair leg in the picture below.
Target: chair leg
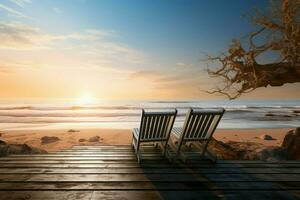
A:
(137, 151)
(208, 153)
(183, 158)
(132, 146)
(204, 148)
(133, 143)
(211, 156)
(138, 156)
(165, 148)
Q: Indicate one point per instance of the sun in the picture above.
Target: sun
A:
(86, 99)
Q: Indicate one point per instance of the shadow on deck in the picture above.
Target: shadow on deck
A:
(112, 172)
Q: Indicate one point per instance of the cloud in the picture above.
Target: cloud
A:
(182, 64)
(21, 3)
(4, 70)
(13, 12)
(57, 10)
(191, 80)
(146, 74)
(115, 52)
(91, 49)
(19, 36)
(14, 35)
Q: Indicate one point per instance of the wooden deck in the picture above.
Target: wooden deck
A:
(112, 172)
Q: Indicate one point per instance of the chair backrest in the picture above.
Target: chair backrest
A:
(156, 126)
(200, 124)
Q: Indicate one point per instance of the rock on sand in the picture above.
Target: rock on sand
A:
(267, 137)
(6, 149)
(291, 143)
(49, 139)
(94, 139)
(73, 130)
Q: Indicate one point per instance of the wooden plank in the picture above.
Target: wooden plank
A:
(102, 147)
(99, 154)
(96, 151)
(258, 161)
(69, 155)
(106, 156)
(46, 195)
(83, 195)
(84, 160)
(41, 158)
(108, 151)
(202, 171)
(150, 178)
(264, 195)
(120, 161)
(130, 195)
(79, 156)
(156, 186)
(149, 164)
(99, 149)
(72, 166)
(146, 195)
(146, 147)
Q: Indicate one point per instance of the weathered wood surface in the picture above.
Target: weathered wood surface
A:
(112, 172)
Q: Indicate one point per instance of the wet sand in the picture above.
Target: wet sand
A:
(123, 136)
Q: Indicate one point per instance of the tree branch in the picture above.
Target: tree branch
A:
(240, 69)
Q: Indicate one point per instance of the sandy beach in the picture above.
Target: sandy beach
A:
(107, 136)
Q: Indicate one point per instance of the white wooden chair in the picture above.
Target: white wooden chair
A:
(154, 127)
(197, 130)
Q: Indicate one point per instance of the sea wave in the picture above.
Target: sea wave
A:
(67, 107)
(242, 114)
(130, 107)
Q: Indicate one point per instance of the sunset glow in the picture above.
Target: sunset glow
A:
(57, 49)
(86, 99)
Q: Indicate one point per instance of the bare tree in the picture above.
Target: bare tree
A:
(245, 67)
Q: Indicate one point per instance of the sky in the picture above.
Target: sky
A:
(113, 49)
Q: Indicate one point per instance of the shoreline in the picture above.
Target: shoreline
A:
(113, 136)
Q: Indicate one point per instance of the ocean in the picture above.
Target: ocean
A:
(126, 114)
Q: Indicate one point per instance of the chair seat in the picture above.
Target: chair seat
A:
(177, 131)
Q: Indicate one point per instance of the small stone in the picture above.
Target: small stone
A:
(2, 142)
(48, 139)
(267, 137)
(73, 130)
(94, 139)
(82, 140)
